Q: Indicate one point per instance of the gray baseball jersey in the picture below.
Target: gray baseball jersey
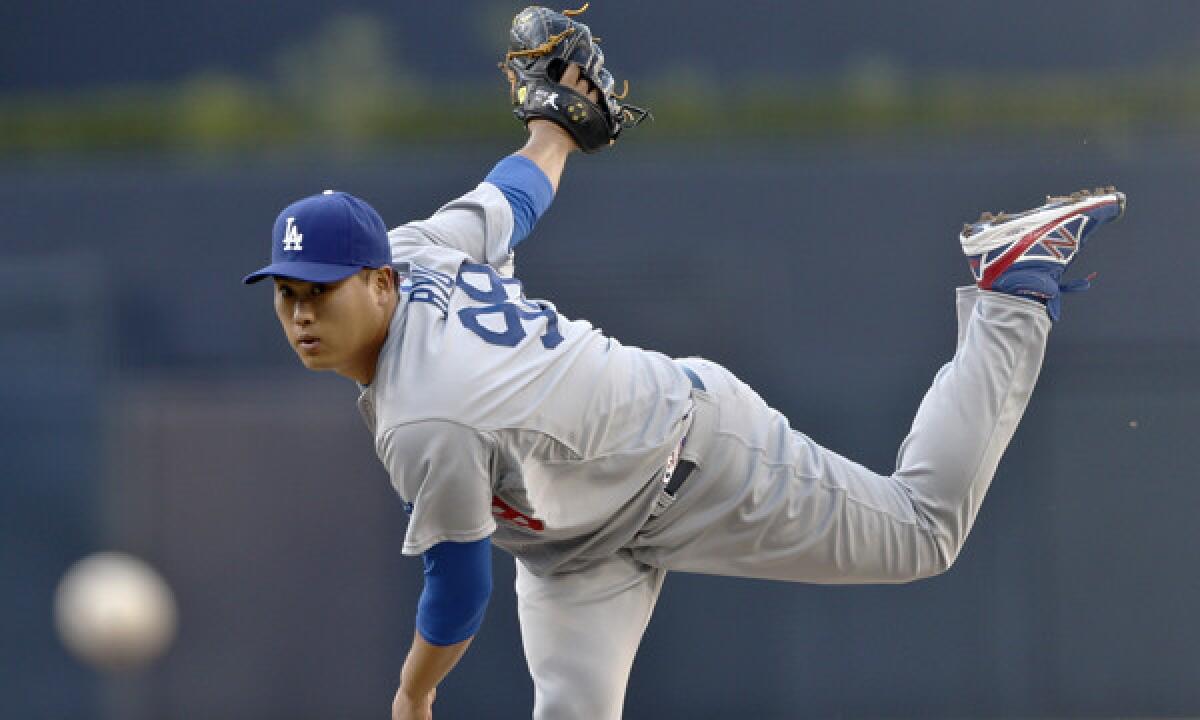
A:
(495, 415)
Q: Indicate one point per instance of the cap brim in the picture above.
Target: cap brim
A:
(304, 271)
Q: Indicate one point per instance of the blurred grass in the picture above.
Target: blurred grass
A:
(344, 91)
(220, 113)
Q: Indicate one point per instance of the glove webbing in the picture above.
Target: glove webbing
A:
(552, 41)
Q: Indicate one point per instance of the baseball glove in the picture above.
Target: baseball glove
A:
(542, 43)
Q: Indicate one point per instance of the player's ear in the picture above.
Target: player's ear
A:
(383, 281)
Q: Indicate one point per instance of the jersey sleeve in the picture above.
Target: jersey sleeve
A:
(479, 224)
(441, 471)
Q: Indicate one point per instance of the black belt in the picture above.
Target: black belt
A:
(683, 468)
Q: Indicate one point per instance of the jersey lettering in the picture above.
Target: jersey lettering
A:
(503, 311)
(426, 285)
(503, 511)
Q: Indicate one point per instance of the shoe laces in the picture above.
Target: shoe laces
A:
(1078, 285)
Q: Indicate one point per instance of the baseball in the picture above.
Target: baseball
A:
(114, 612)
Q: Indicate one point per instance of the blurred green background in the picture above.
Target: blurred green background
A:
(370, 75)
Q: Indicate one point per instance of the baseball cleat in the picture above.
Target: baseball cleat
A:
(1025, 254)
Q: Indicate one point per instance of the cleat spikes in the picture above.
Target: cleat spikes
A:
(986, 217)
(1002, 217)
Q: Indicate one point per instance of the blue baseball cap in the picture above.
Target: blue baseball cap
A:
(325, 238)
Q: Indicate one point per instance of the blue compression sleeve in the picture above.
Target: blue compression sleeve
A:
(458, 584)
(528, 190)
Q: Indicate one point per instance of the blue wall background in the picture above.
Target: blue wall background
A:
(141, 371)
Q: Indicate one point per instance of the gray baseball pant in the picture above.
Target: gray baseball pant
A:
(765, 501)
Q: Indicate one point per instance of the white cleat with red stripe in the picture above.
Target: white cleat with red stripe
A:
(1026, 254)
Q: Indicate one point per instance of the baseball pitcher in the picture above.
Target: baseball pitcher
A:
(600, 467)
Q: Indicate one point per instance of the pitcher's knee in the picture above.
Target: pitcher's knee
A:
(943, 535)
(936, 557)
(946, 551)
(945, 560)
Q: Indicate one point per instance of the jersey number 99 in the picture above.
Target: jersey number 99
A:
(501, 318)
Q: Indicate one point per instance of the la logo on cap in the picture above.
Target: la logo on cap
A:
(292, 239)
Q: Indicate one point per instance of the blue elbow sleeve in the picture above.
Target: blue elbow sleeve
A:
(527, 189)
(458, 584)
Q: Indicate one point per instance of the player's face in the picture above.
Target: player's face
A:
(337, 326)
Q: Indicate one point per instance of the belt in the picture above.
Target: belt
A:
(677, 470)
(673, 474)
(672, 481)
